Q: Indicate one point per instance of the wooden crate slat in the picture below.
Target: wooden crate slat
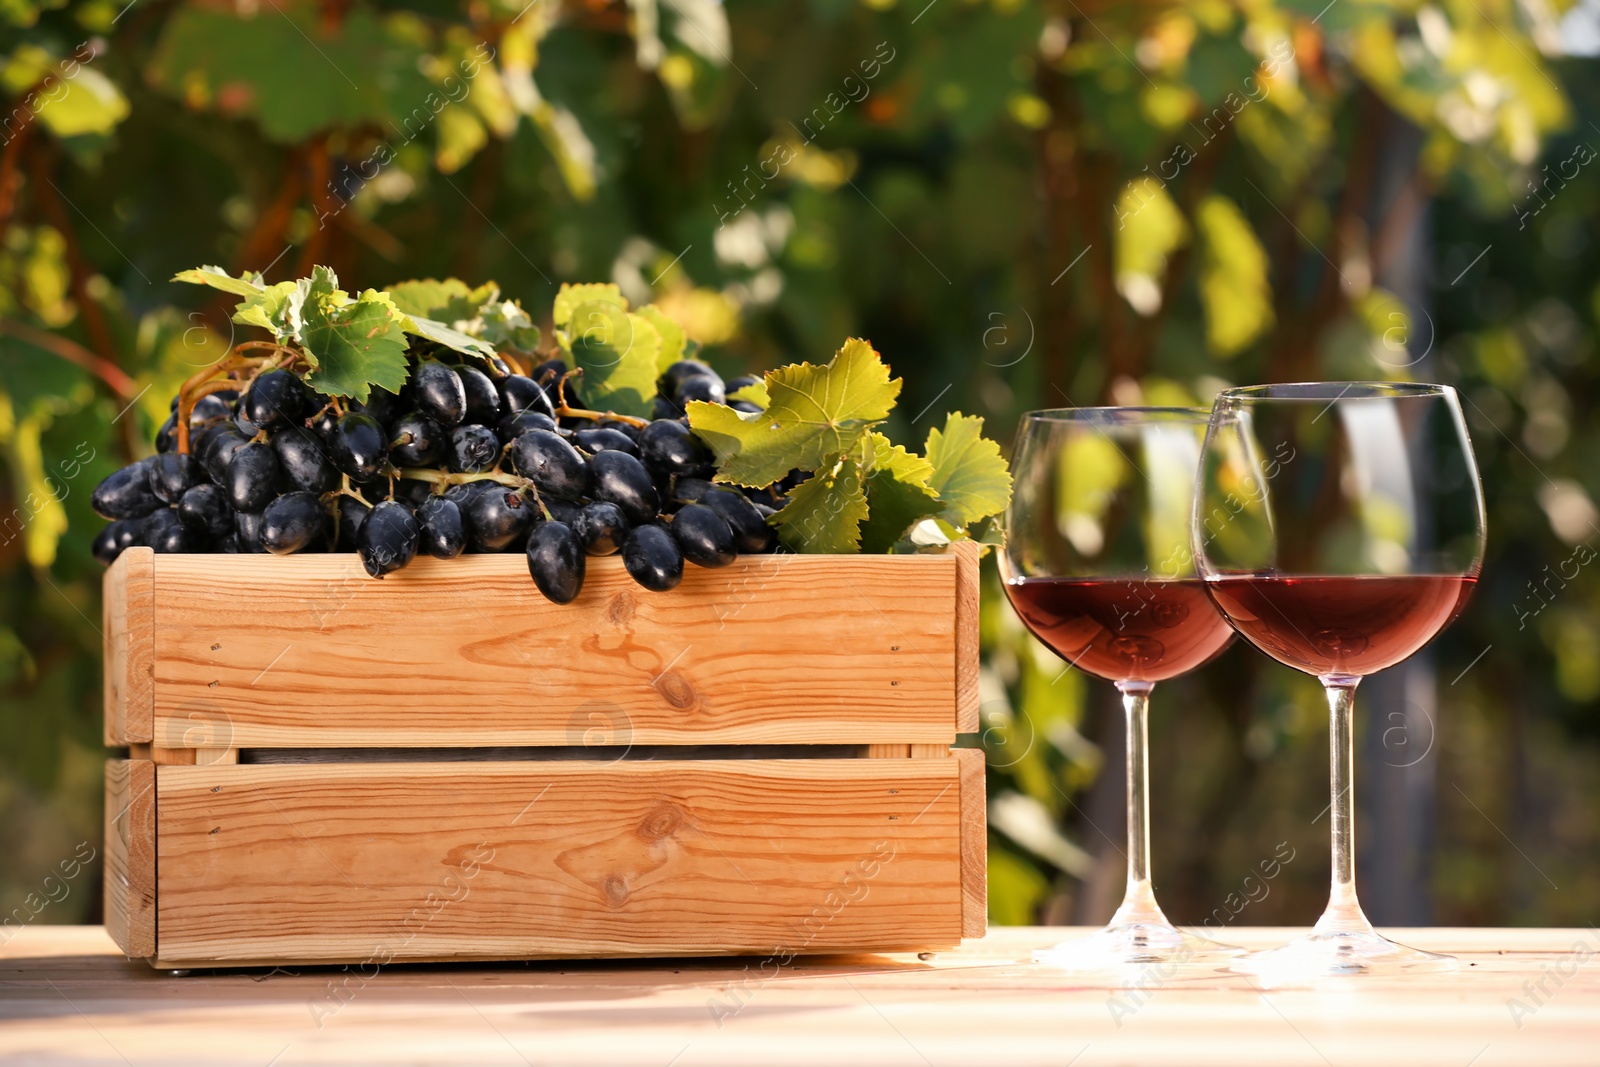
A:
(353, 862)
(967, 606)
(128, 626)
(974, 843)
(130, 855)
(307, 650)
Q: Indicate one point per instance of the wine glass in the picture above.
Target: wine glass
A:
(1097, 564)
(1339, 526)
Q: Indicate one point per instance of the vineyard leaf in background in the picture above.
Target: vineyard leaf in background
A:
(814, 413)
(1149, 228)
(247, 284)
(968, 472)
(1234, 288)
(825, 512)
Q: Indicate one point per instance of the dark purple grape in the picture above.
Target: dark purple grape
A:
(303, 461)
(467, 492)
(483, 400)
(669, 447)
(359, 447)
(662, 408)
(206, 508)
(110, 542)
(653, 558)
(690, 490)
(701, 387)
(703, 535)
(549, 375)
(325, 424)
(276, 399)
(293, 522)
(751, 534)
(167, 436)
(473, 448)
(218, 451)
(247, 531)
(252, 477)
(173, 474)
(519, 394)
(601, 528)
(605, 439)
(556, 561)
(440, 393)
(554, 466)
(562, 511)
(499, 518)
(441, 530)
(383, 405)
(513, 426)
(743, 381)
(209, 410)
(126, 494)
(623, 480)
(352, 513)
(674, 376)
(418, 441)
(163, 531)
(387, 539)
(412, 492)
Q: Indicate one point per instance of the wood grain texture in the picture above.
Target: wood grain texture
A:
(128, 627)
(983, 1003)
(130, 855)
(967, 606)
(772, 649)
(974, 842)
(345, 862)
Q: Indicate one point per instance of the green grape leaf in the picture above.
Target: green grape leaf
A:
(248, 284)
(897, 492)
(572, 297)
(356, 345)
(969, 473)
(814, 412)
(672, 336)
(756, 393)
(505, 323)
(444, 300)
(277, 309)
(825, 512)
(617, 352)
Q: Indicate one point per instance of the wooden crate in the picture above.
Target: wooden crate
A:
(442, 765)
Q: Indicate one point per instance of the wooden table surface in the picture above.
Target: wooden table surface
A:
(68, 996)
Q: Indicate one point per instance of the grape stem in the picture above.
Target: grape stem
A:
(216, 378)
(565, 412)
(443, 478)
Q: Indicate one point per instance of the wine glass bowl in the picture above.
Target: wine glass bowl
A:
(1097, 564)
(1339, 527)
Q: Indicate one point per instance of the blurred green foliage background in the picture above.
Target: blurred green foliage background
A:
(1022, 204)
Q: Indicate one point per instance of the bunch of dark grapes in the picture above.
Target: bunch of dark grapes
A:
(462, 460)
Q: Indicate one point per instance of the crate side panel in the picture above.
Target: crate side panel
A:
(128, 629)
(351, 862)
(968, 591)
(130, 855)
(306, 651)
(974, 843)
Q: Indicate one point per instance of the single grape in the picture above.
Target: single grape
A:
(467, 492)
(163, 531)
(513, 426)
(751, 534)
(293, 522)
(473, 448)
(483, 400)
(440, 393)
(387, 540)
(519, 394)
(548, 374)
(412, 492)
(653, 558)
(352, 513)
(303, 461)
(383, 405)
(623, 480)
(209, 410)
(743, 381)
(244, 425)
(701, 387)
(219, 449)
(662, 408)
(275, 399)
(601, 528)
(605, 439)
(359, 447)
(561, 511)
(126, 494)
(554, 466)
(684, 369)
(326, 424)
(110, 542)
(252, 477)
(418, 441)
(690, 490)
(205, 508)
(247, 531)
(556, 561)
(669, 447)
(167, 435)
(173, 474)
(441, 530)
(498, 518)
(706, 540)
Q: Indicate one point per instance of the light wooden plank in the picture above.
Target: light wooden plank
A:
(773, 649)
(974, 842)
(128, 626)
(130, 855)
(967, 605)
(346, 861)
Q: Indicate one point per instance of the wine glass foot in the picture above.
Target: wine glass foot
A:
(1339, 954)
(1136, 944)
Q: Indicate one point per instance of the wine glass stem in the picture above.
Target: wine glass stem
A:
(1344, 910)
(1139, 902)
